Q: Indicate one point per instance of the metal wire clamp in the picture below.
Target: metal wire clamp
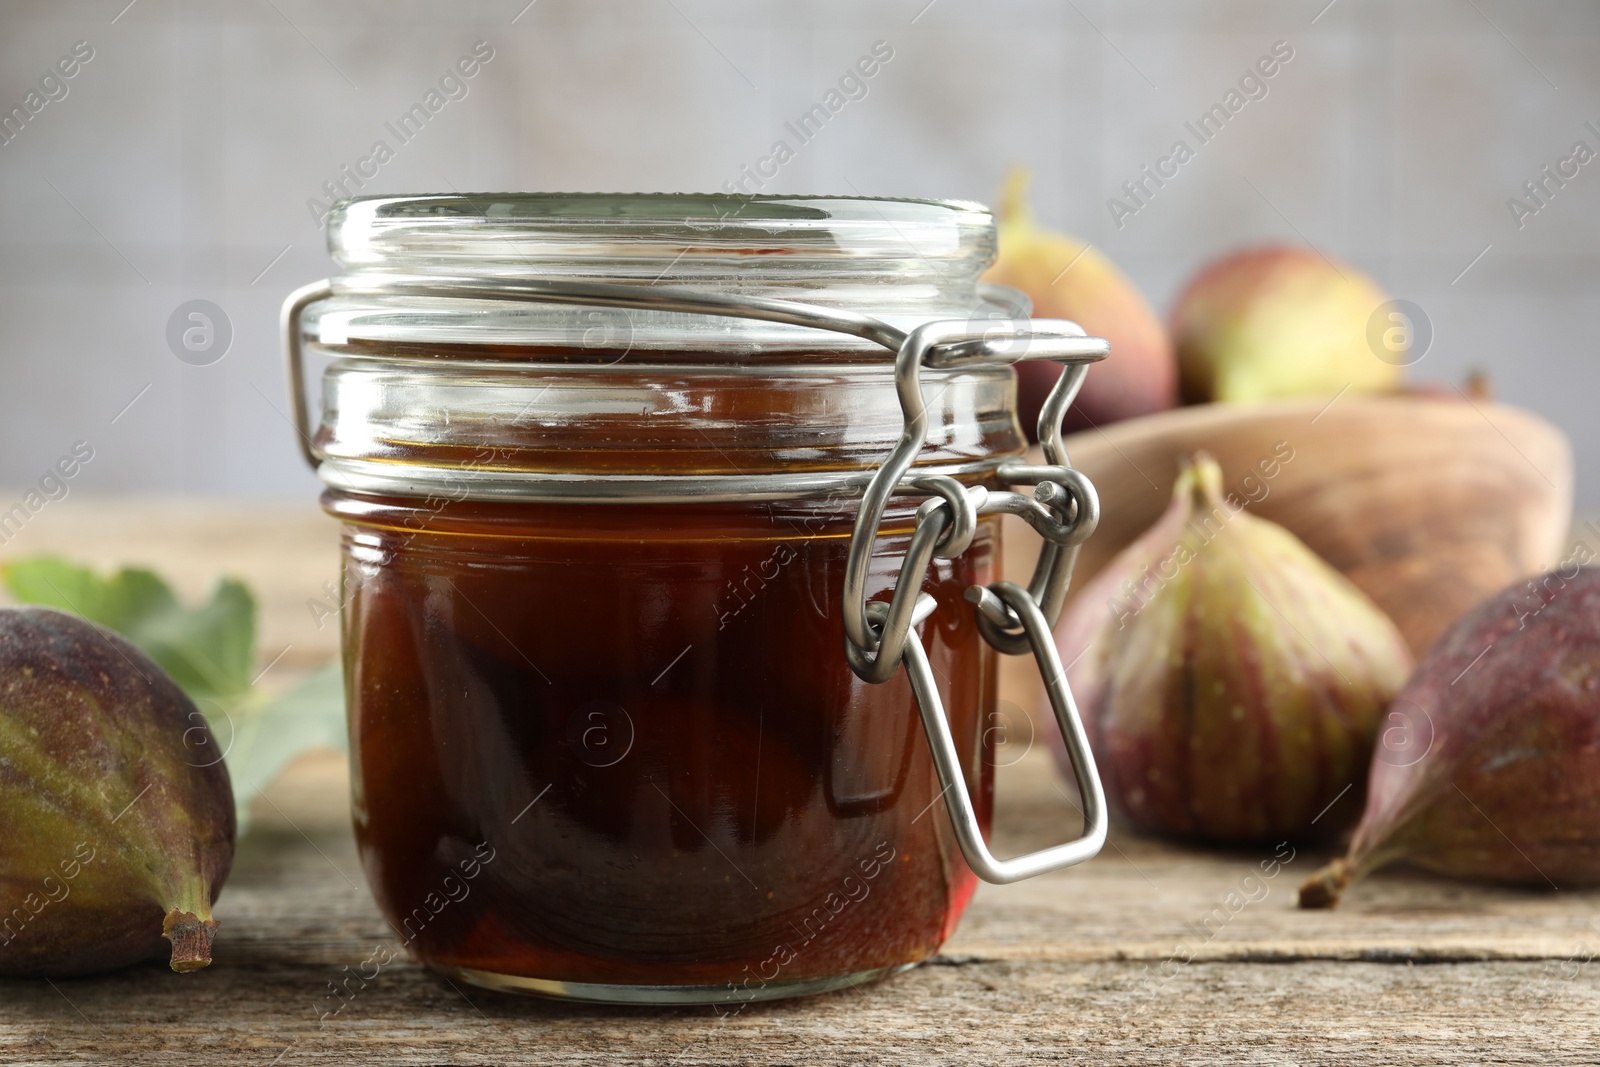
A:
(881, 636)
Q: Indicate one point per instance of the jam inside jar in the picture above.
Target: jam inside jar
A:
(715, 799)
(605, 740)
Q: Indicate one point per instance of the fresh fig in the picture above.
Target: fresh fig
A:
(1230, 679)
(1066, 278)
(118, 816)
(1494, 770)
(1282, 321)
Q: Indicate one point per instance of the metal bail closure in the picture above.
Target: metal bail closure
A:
(945, 758)
(1064, 509)
(879, 636)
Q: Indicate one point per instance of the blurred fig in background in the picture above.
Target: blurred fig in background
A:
(1068, 279)
(1279, 321)
(1231, 681)
(117, 813)
(1489, 767)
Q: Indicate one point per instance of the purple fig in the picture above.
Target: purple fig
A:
(1494, 770)
(118, 816)
(1230, 679)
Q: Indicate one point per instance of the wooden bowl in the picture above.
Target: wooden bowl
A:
(1428, 504)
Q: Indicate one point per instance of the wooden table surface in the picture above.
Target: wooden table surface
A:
(1135, 957)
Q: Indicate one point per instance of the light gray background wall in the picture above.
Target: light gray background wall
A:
(180, 163)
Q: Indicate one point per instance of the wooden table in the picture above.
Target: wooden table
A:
(1124, 960)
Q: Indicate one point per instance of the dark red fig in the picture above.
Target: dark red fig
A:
(116, 816)
(1489, 766)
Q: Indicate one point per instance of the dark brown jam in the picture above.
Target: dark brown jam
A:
(619, 744)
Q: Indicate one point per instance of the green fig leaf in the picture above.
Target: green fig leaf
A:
(208, 650)
(265, 740)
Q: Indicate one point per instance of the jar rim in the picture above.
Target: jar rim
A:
(632, 234)
(628, 202)
(639, 204)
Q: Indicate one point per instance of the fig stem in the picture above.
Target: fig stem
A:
(1323, 889)
(191, 939)
(1014, 197)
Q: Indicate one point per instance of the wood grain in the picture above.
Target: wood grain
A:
(1075, 967)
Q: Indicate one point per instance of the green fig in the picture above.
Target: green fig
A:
(1066, 278)
(1231, 681)
(1493, 773)
(1279, 321)
(118, 816)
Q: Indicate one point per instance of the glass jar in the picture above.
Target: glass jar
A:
(628, 580)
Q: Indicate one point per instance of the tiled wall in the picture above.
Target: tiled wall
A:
(179, 165)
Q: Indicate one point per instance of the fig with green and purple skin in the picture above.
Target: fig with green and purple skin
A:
(1231, 681)
(118, 816)
(1495, 774)
(1067, 278)
(1278, 321)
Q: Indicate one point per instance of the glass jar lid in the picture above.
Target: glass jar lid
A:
(904, 261)
(534, 346)
(644, 236)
